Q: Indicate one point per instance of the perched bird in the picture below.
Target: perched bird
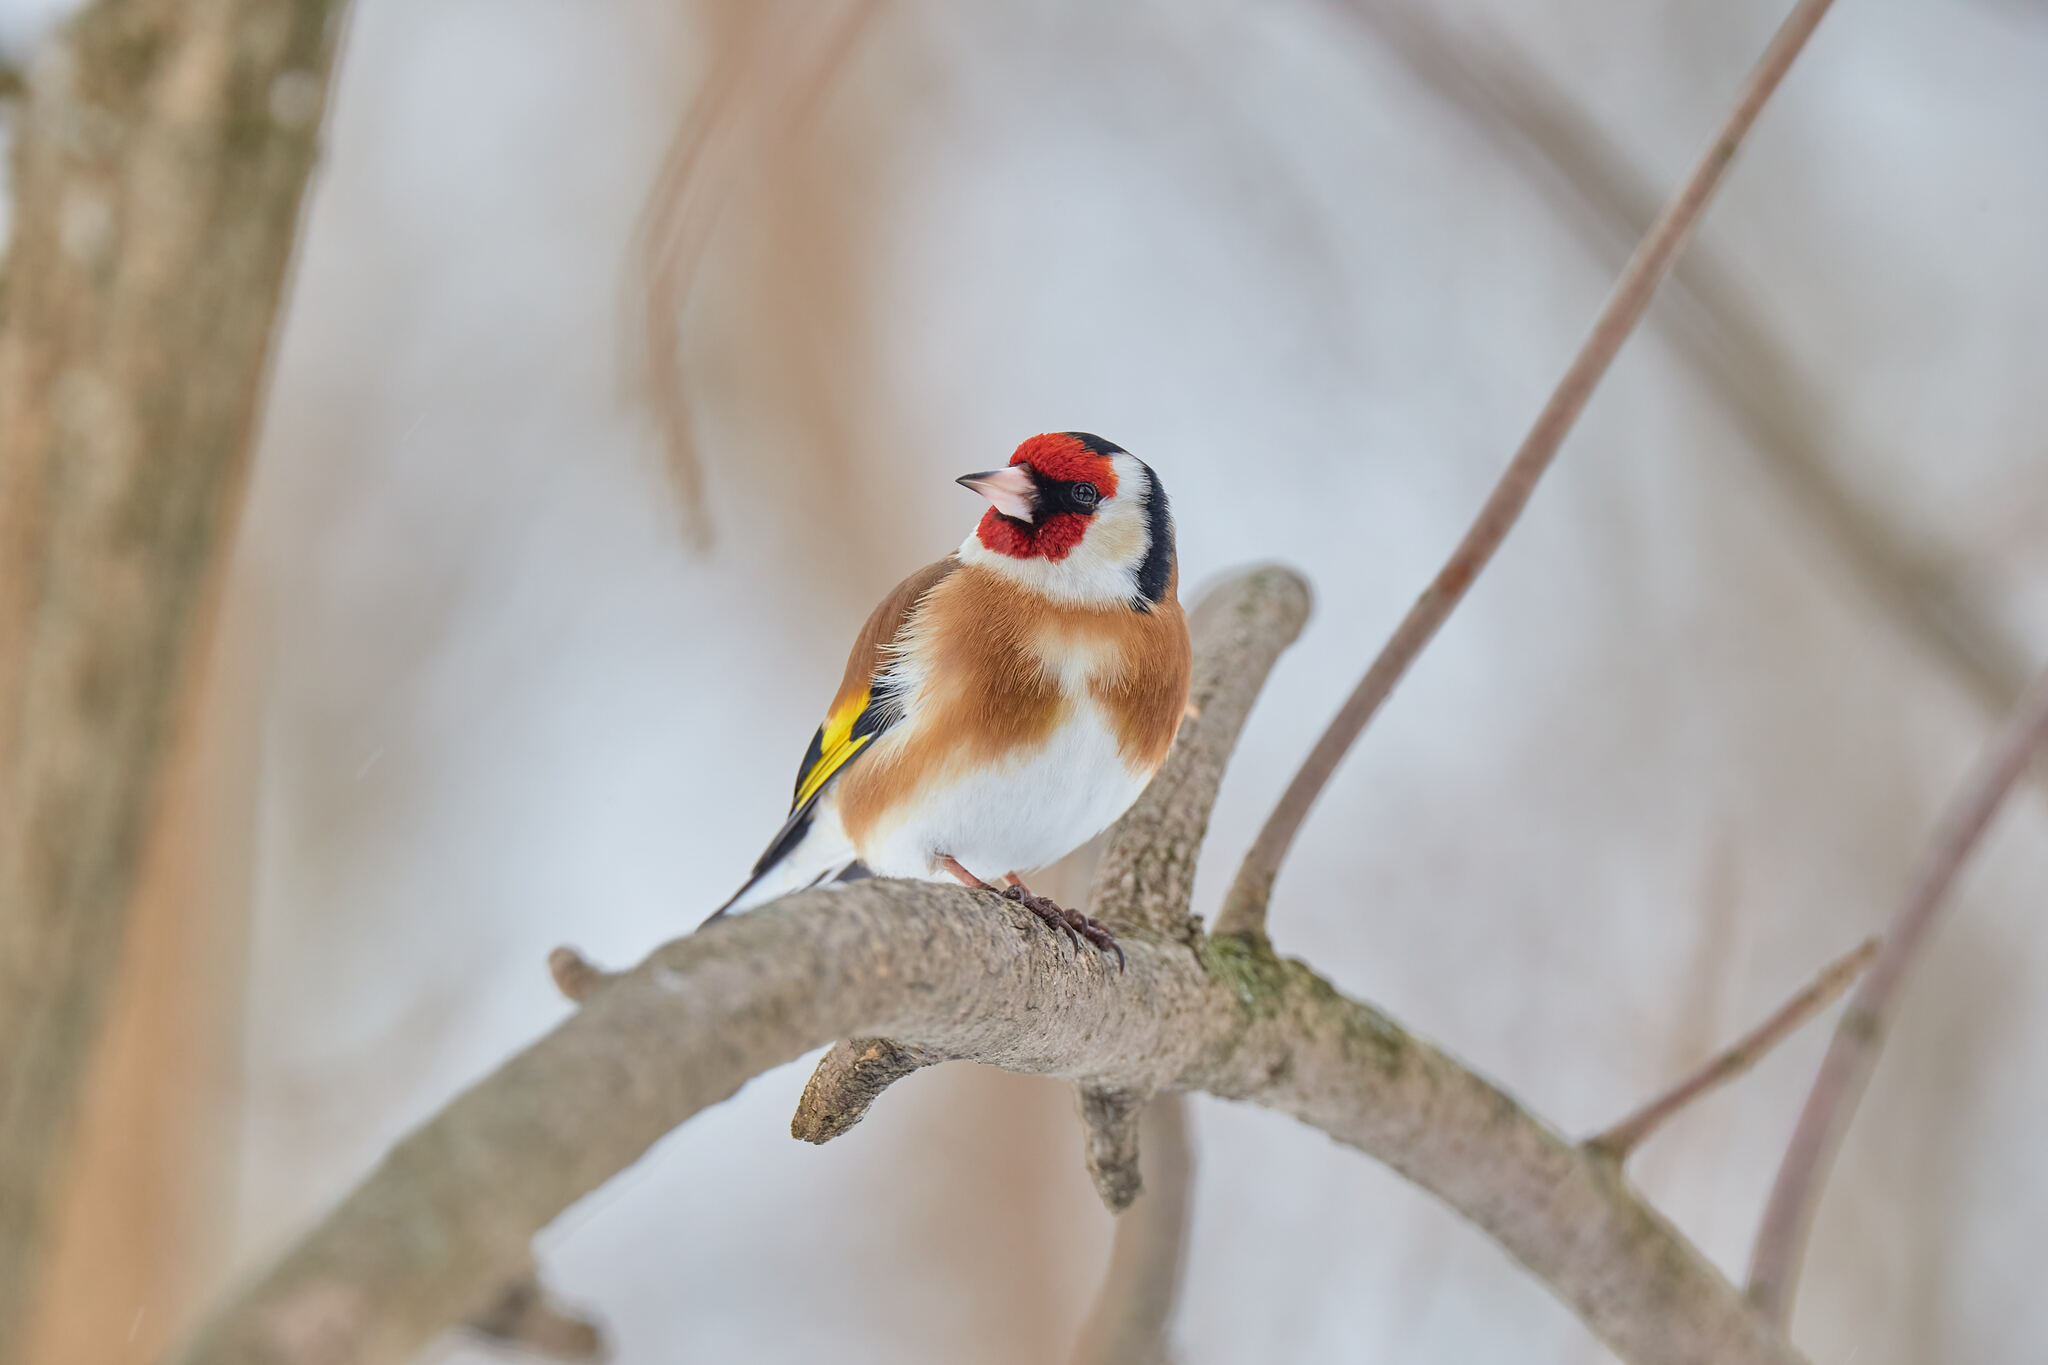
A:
(1006, 704)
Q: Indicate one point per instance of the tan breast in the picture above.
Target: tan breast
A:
(1001, 668)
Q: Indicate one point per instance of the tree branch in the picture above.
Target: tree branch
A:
(1109, 1130)
(160, 170)
(1128, 1324)
(447, 1216)
(1617, 1142)
(1244, 909)
(848, 1081)
(1851, 1056)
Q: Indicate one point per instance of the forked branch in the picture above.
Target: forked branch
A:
(1845, 1071)
(1244, 910)
(1735, 1060)
(446, 1218)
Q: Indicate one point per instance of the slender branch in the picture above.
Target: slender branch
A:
(158, 190)
(1851, 1056)
(1726, 337)
(1244, 910)
(1133, 1309)
(1624, 1137)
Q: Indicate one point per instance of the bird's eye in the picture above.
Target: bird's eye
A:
(1086, 494)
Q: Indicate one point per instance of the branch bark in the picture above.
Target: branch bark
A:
(446, 1217)
(1852, 1055)
(1244, 909)
(161, 159)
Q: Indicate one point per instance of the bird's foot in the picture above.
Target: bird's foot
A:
(1076, 925)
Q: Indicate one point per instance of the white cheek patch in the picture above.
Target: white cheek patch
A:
(1117, 537)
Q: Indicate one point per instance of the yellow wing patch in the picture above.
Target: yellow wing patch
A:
(835, 744)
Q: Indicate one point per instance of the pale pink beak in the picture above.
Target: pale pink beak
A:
(1010, 490)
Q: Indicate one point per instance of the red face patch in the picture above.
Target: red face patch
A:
(1059, 457)
(1051, 539)
(1066, 458)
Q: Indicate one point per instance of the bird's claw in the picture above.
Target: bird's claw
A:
(1073, 923)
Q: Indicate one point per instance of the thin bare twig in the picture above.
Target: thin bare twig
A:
(1244, 909)
(1624, 1137)
(1718, 327)
(1851, 1056)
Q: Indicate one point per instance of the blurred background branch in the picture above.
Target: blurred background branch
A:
(1133, 1310)
(1852, 1055)
(765, 82)
(1725, 334)
(160, 167)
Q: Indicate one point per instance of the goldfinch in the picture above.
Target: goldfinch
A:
(1006, 704)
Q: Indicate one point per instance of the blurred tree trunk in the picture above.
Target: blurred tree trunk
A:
(159, 170)
(142, 1229)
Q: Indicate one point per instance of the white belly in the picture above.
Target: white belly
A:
(1023, 814)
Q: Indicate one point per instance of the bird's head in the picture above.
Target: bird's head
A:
(1077, 517)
